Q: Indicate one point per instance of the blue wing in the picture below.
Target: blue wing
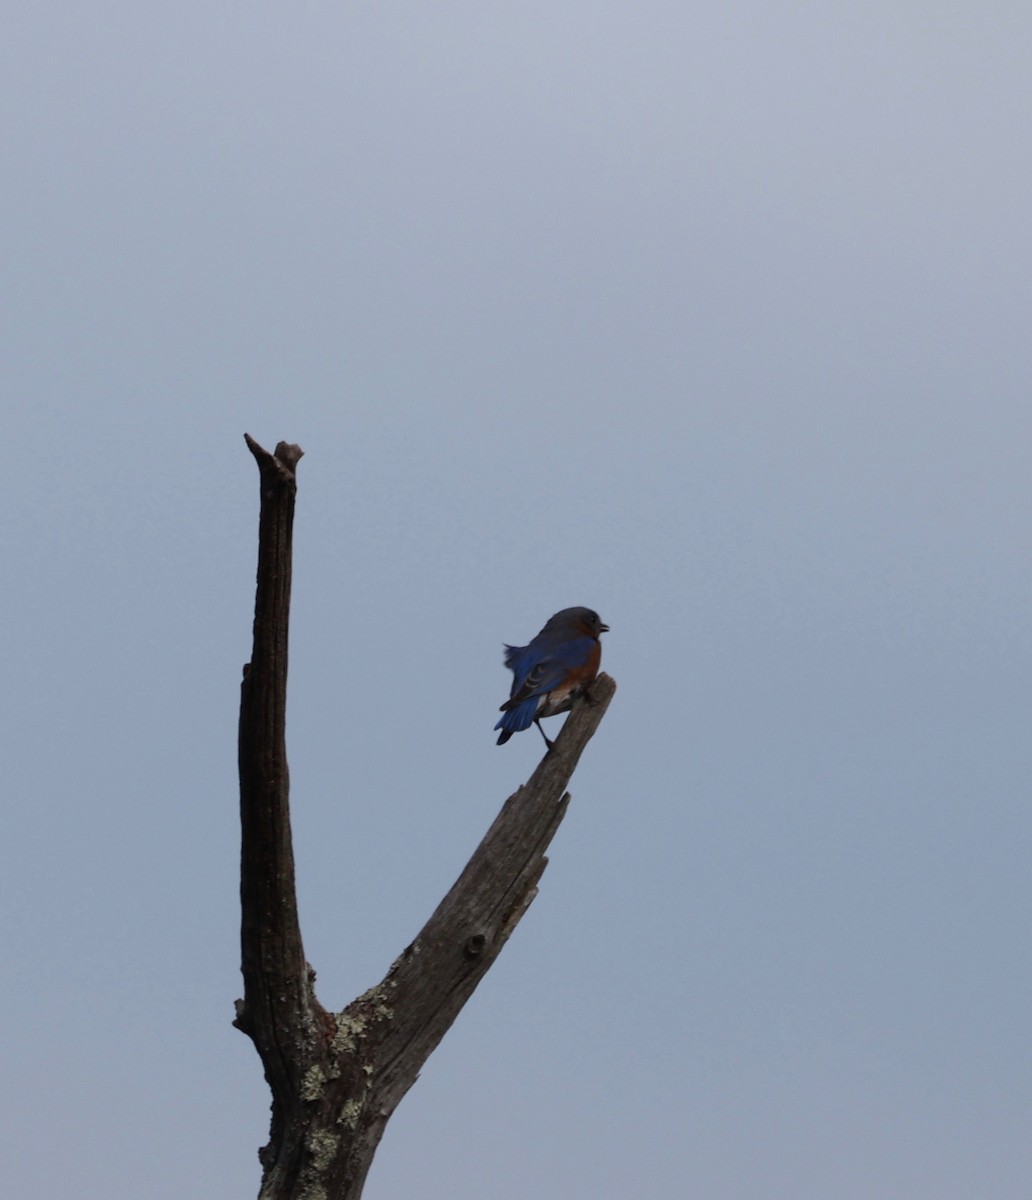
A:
(537, 669)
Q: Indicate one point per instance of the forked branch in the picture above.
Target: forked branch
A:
(336, 1078)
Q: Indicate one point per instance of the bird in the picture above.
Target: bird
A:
(552, 671)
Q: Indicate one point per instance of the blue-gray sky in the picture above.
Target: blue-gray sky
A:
(713, 317)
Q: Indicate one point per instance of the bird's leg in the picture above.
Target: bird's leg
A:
(548, 742)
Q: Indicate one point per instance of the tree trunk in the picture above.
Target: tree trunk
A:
(336, 1077)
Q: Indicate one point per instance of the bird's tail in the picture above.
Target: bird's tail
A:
(516, 718)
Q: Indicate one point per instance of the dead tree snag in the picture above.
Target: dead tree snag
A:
(336, 1077)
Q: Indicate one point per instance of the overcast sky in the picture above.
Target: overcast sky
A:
(715, 318)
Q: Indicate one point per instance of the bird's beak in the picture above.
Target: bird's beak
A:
(603, 629)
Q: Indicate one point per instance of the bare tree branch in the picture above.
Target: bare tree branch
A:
(336, 1078)
(278, 1004)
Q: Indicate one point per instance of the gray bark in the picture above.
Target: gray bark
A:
(336, 1077)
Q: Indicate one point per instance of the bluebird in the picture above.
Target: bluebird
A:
(550, 673)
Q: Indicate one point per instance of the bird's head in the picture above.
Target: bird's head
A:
(585, 621)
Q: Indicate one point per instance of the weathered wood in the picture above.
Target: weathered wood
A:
(336, 1078)
(279, 1009)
